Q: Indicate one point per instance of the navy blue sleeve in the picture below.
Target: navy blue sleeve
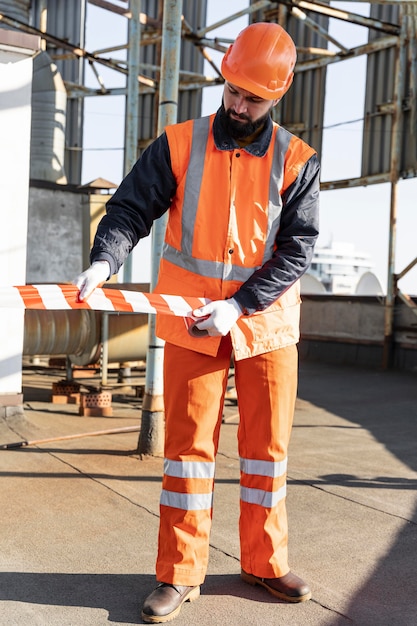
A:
(142, 197)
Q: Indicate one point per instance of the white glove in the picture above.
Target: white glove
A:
(94, 276)
(219, 315)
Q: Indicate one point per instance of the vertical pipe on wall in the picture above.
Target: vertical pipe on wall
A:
(396, 143)
(104, 364)
(132, 105)
(42, 19)
(151, 434)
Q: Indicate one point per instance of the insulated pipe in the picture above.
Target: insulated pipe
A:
(77, 334)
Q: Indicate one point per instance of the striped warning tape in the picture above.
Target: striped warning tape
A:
(60, 297)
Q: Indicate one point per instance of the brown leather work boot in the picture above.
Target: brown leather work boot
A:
(165, 602)
(290, 587)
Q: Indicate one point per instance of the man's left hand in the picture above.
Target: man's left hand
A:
(222, 315)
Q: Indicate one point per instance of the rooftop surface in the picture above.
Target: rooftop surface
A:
(79, 521)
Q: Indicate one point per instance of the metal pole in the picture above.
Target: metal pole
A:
(152, 429)
(391, 282)
(104, 348)
(132, 105)
(95, 433)
(42, 19)
(396, 142)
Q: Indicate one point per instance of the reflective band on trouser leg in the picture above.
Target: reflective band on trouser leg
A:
(266, 386)
(194, 385)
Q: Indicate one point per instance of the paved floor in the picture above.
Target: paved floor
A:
(79, 517)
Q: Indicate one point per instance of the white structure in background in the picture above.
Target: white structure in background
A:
(341, 270)
(369, 285)
(16, 69)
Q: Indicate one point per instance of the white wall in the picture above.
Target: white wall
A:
(15, 122)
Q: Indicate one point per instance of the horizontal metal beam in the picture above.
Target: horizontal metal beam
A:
(257, 6)
(378, 44)
(114, 8)
(346, 16)
(362, 181)
(59, 43)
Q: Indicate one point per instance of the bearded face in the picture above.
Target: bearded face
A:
(240, 125)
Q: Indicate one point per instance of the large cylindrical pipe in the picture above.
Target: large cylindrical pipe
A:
(59, 332)
(77, 334)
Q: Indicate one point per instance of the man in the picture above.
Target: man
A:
(242, 195)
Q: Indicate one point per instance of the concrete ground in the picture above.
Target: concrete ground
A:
(79, 519)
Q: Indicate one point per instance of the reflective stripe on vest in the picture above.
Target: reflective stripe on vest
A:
(215, 269)
(193, 182)
(209, 269)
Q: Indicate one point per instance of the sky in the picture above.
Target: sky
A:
(358, 215)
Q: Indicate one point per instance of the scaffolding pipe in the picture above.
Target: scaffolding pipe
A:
(152, 428)
(132, 105)
(396, 141)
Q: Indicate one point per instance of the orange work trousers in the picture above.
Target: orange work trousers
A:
(194, 388)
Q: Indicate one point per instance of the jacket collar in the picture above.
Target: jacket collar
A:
(224, 141)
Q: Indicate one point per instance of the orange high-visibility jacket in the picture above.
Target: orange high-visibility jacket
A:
(222, 227)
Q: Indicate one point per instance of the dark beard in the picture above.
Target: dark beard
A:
(240, 130)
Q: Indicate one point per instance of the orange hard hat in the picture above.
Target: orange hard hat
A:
(261, 60)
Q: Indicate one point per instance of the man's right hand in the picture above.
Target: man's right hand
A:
(95, 275)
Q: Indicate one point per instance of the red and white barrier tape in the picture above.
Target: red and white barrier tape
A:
(61, 297)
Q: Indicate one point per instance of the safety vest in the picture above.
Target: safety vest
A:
(222, 226)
